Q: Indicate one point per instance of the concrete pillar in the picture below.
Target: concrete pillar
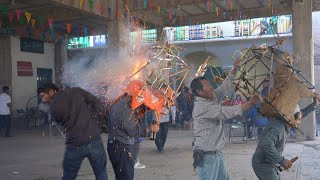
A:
(303, 47)
(118, 34)
(60, 59)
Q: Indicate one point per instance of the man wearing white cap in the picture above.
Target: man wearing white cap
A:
(268, 154)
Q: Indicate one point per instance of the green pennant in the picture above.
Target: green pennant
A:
(4, 9)
(91, 3)
(40, 19)
(22, 20)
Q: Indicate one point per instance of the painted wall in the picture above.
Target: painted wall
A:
(25, 87)
(222, 50)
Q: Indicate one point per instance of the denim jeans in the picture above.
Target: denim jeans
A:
(96, 154)
(161, 136)
(213, 168)
(121, 157)
(5, 122)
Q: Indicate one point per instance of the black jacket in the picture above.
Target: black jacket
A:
(77, 110)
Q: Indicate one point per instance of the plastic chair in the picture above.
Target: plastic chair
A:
(22, 117)
(237, 125)
(260, 122)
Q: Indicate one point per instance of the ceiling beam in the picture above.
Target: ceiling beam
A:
(260, 2)
(201, 8)
(219, 5)
(184, 11)
(241, 6)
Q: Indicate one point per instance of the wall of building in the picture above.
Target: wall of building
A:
(5, 61)
(25, 87)
(222, 50)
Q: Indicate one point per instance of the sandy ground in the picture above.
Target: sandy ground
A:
(30, 155)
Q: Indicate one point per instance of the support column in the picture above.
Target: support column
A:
(60, 59)
(303, 48)
(118, 29)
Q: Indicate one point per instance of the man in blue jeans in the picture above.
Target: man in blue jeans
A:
(123, 132)
(209, 116)
(78, 111)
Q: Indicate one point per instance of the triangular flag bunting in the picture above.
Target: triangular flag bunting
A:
(81, 4)
(22, 21)
(40, 19)
(33, 22)
(28, 16)
(18, 12)
(50, 21)
(11, 16)
(209, 6)
(159, 9)
(85, 31)
(20, 29)
(144, 4)
(68, 28)
(109, 12)
(4, 9)
(91, 4)
(100, 8)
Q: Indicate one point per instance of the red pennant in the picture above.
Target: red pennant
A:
(37, 33)
(100, 8)
(68, 28)
(181, 19)
(151, 5)
(20, 30)
(18, 12)
(50, 21)
(209, 6)
(11, 16)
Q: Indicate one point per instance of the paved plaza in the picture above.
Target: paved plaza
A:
(31, 156)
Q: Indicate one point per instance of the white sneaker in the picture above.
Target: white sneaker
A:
(137, 165)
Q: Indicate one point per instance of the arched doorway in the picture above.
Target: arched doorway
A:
(195, 59)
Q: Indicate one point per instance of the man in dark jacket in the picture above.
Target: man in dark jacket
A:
(273, 139)
(123, 130)
(77, 111)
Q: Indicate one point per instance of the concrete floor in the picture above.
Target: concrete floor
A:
(31, 156)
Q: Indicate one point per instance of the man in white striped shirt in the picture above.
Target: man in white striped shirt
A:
(209, 116)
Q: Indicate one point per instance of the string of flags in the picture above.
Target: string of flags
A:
(39, 24)
(24, 23)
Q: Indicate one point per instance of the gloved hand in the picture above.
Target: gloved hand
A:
(140, 140)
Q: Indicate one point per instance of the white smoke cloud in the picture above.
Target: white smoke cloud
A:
(107, 75)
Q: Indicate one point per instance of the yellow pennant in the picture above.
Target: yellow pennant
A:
(217, 10)
(28, 16)
(81, 4)
(33, 22)
(159, 9)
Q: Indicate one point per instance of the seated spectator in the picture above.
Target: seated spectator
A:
(238, 100)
